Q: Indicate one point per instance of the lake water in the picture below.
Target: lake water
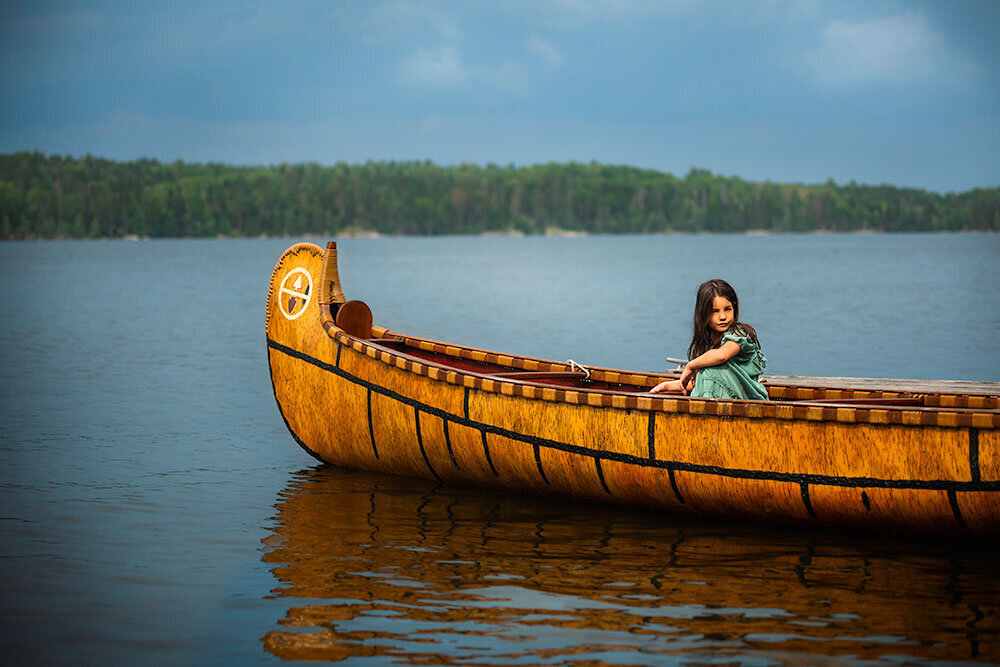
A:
(154, 508)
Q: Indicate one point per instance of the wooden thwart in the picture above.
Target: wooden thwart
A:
(906, 386)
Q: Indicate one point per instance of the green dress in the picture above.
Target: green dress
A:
(737, 377)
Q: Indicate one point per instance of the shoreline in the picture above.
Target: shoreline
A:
(556, 233)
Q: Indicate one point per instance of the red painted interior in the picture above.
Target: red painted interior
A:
(487, 369)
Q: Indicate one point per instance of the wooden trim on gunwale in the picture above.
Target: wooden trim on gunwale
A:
(936, 393)
(963, 411)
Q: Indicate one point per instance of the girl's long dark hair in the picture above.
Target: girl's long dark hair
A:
(704, 339)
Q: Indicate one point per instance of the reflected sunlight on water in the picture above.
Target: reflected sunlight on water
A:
(379, 566)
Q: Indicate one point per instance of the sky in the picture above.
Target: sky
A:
(875, 91)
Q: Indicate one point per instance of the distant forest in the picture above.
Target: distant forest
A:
(43, 196)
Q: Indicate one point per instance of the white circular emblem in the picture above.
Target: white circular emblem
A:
(294, 297)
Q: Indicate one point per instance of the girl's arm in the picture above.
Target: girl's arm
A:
(719, 355)
(714, 357)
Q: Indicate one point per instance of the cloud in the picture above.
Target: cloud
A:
(902, 49)
(550, 54)
(570, 14)
(509, 77)
(399, 19)
(443, 67)
(803, 9)
(439, 67)
(602, 8)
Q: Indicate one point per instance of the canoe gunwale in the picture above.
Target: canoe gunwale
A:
(828, 410)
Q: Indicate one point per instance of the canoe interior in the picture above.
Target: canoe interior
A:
(575, 379)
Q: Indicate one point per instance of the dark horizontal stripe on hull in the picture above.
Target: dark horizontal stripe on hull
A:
(797, 478)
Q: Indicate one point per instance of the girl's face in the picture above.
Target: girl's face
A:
(722, 315)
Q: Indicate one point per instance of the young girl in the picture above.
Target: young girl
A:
(725, 357)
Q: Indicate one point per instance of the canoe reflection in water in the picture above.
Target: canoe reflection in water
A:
(412, 572)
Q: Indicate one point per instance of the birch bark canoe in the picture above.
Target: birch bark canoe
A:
(907, 455)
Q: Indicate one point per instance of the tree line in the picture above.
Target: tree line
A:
(51, 196)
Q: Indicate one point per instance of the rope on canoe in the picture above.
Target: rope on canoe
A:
(574, 366)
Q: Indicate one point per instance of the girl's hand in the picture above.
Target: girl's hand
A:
(669, 385)
(687, 378)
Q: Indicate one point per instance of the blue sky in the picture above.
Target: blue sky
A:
(879, 91)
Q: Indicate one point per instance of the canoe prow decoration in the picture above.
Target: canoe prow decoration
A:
(330, 294)
(914, 457)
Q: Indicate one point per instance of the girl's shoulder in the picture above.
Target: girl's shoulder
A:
(742, 335)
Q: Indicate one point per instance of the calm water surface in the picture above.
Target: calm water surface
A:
(154, 508)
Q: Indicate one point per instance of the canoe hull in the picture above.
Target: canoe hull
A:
(358, 405)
